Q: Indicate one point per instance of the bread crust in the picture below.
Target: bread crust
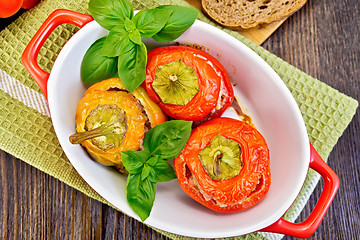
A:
(245, 14)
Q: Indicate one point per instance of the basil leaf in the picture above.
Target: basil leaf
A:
(140, 195)
(132, 65)
(145, 172)
(135, 37)
(117, 42)
(152, 161)
(179, 21)
(168, 139)
(151, 21)
(164, 171)
(109, 13)
(129, 25)
(134, 160)
(96, 67)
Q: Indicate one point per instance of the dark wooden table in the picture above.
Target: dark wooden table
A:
(322, 39)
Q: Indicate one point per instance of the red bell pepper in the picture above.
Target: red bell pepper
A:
(215, 91)
(237, 193)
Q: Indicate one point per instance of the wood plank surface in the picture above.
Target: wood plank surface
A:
(322, 39)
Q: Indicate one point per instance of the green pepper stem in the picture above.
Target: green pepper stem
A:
(217, 163)
(103, 130)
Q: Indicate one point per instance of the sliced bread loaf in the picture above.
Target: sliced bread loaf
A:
(244, 14)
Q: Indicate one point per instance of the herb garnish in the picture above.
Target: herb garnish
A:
(149, 166)
(122, 52)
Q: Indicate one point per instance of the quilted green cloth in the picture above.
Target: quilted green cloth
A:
(27, 133)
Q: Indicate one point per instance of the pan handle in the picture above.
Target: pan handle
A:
(30, 54)
(309, 226)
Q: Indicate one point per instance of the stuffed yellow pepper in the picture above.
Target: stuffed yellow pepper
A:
(109, 119)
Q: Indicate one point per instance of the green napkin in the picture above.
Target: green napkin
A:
(26, 130)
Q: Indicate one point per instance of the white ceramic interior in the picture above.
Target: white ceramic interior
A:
(260, 92)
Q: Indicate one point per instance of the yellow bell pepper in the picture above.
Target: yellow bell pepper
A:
(153, 111)
(109, 119)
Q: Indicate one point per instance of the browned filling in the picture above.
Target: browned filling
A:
(140, 106)
(195, 184)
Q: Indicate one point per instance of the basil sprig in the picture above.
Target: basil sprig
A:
(123, 49)
(149, 166)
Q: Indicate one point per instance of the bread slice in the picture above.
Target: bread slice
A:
(244, 14)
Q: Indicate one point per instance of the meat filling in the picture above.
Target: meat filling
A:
(193, 181)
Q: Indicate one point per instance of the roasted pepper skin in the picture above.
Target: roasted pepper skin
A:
(153, 111)
(112, 91)
(226, 96)
(211, 75)
(237, 193)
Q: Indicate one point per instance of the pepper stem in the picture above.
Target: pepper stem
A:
(103, 130)
(222, 158)
(173, 78)
(176, 83)
(217, 163)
